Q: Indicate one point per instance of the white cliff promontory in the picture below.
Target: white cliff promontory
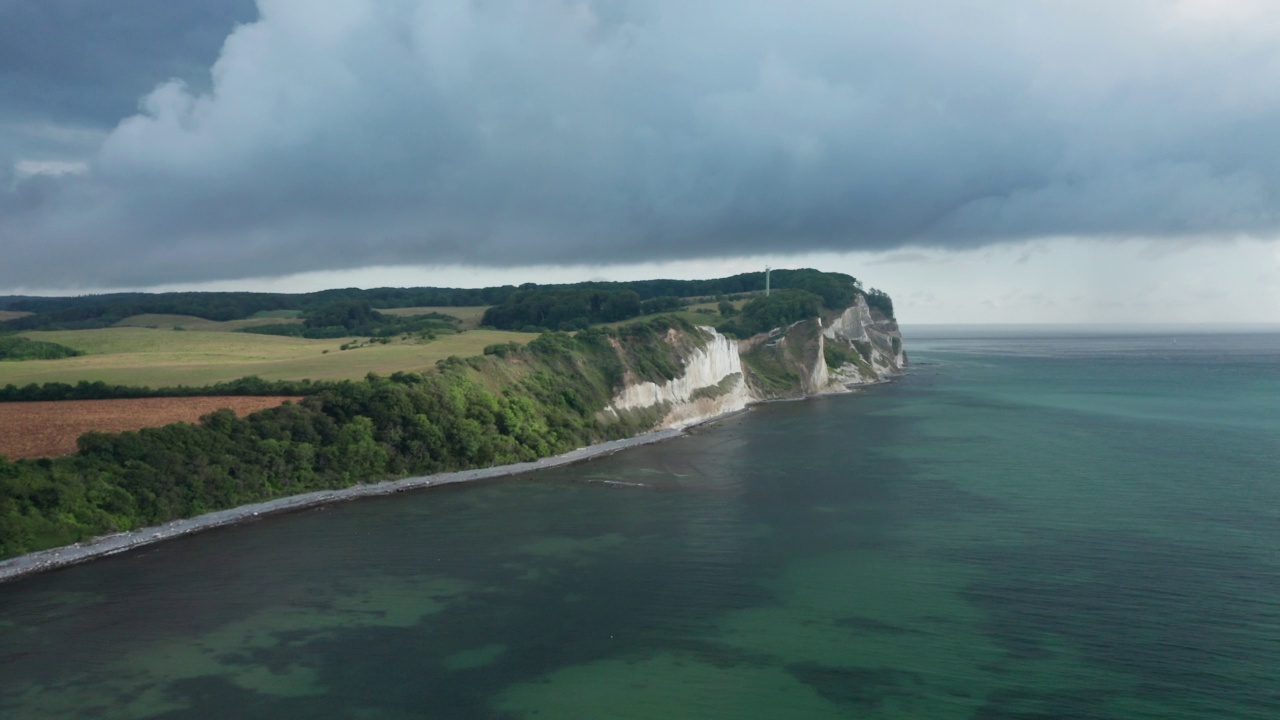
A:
(875, 338)
(715, 383)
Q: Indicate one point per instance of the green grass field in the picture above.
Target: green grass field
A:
(689, 316)
(188, 322)
(470, 316)
(716, 306)
(159, 358)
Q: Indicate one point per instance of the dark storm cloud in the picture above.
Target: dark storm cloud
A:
(88, 61)
(363, 132)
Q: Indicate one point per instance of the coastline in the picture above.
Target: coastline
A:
(106, 545)
(67, 555)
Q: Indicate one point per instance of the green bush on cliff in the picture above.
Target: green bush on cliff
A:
(771, 370)
(837, 355)
(880, 300)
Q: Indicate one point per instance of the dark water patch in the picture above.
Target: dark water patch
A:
(1013, 705)
(860, 688)
(214, 698)
(1176, 615)
(929, 497)
(871, 625)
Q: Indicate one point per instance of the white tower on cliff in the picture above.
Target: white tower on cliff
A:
(766, 281)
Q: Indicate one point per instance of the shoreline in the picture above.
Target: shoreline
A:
(107, 545)
(114, 544)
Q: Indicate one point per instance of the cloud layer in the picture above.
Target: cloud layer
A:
(373, 132)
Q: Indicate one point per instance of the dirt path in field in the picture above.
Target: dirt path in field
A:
(47, 429)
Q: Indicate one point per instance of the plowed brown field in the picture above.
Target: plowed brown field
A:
(46, 429)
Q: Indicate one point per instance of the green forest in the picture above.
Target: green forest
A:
(778, 310)
(341, 434)
(100, 311)
(538, 309)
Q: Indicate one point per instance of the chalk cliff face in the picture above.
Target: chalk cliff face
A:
(712, 385)
(811, 357)
(875, 338)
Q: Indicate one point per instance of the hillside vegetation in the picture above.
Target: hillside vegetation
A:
(15, 348)
(102, 311)
(468, 317)
(190, 322)
(512, 404)
(386, 393)
(357, 317)
(158, 358)
(798, 294)
(778, 310)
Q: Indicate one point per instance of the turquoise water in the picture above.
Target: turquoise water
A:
(1022, 527)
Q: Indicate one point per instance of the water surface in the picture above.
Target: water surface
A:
(1023, 527)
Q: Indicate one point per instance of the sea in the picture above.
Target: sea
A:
(1028, 524)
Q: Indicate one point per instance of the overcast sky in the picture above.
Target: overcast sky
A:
(983, 161)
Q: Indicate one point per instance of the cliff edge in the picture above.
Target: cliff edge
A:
(830, 353)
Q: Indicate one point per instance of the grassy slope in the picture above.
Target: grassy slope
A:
(693, 318)
(12, 314)
(157, 358)
(737, 304)
(188, 322)
(470, 316)
(777, 369)
(690, 316)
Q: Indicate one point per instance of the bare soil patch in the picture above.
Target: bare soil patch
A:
(47, 429)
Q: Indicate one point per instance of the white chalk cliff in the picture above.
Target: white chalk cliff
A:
(860, 328)
(715, 382)
(712, 385)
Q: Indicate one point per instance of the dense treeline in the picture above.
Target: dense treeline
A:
(343, 434)
(85, 390)
(562, 309)
(779, 309)
(13, 347)
(537, 308)
(97, 311)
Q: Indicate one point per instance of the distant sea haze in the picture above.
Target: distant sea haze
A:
(1067, 330)
(1032, 522)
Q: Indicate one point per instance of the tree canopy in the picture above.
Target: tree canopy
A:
(837, 290)
(779, 309)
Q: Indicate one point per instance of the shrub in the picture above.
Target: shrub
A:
(13, 347)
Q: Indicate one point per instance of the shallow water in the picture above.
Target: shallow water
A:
(1022, 527)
